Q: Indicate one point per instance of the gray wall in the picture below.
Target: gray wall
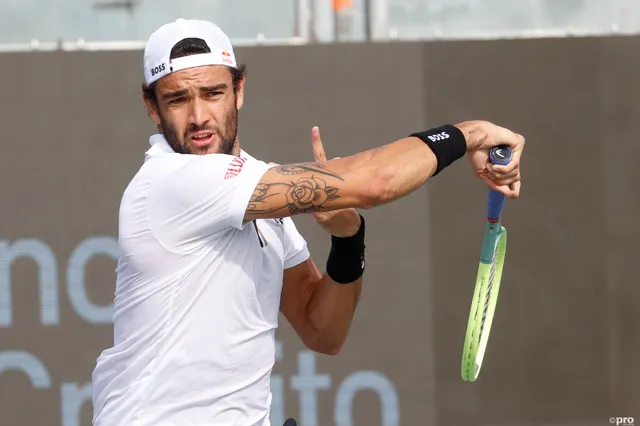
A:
(565, 337)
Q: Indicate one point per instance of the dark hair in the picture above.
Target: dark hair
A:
(193, 46)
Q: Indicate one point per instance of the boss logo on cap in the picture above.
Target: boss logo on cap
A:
(158, 69)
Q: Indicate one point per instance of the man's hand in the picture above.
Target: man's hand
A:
(481, 137)
(341, 223)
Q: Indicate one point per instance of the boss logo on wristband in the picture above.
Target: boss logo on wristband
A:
(438, 136)
(447, 143)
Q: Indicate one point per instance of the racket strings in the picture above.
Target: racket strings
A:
(492, 273)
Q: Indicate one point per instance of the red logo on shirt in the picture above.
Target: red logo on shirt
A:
(235, 167)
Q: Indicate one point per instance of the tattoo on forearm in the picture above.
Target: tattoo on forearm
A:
(304, 195)
(297, 169)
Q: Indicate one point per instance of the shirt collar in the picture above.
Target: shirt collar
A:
(246, 155)
(159, 146)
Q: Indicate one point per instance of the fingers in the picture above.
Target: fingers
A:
(503, 136)
(509, 173)
(506, 170)
(318, 148)
(506, 182)
(511, 191)
(504, 179)
(492, 185)
(510, 181)
(515, 189)
(510, 188)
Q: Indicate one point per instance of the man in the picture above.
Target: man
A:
(209, 254)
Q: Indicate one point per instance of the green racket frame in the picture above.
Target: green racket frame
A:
(478, 331)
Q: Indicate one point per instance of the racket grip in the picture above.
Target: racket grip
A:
(495, 204)
(501, 155)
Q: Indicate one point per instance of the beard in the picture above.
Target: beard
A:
(228, 135)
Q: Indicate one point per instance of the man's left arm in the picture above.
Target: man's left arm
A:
(320, 307)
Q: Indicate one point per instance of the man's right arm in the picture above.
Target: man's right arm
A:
(364, 180)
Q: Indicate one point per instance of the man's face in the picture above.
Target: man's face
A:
(197, 110)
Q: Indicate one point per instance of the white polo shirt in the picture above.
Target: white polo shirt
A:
(197, 296)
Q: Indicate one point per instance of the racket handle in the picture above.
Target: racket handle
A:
(501, 155)
(495, 204)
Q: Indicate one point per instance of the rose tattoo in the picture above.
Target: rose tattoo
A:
(304, 195)
(307, 195)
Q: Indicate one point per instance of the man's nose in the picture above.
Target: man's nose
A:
(198, 114)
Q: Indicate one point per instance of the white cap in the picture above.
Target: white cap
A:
(157, 63)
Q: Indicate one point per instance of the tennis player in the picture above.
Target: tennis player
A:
(209, 254)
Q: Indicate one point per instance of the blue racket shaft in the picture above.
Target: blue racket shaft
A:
(501, 155)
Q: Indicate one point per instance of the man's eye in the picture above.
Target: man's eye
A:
(214, 94)
(176, 101)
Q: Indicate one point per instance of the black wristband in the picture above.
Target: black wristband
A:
(447, 143)
(346, 258)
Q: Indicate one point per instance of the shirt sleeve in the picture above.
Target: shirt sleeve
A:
(205, 195)
(296, 250)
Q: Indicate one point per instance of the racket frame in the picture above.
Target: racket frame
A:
(482, 311)
(475, 343)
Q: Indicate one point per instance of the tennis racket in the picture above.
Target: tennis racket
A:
(485, 294)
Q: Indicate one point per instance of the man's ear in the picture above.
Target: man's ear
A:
(152, 109)
(240, 94)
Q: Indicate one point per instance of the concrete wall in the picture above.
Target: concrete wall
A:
(566, 334)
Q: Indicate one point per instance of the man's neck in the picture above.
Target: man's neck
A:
(236, 148)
